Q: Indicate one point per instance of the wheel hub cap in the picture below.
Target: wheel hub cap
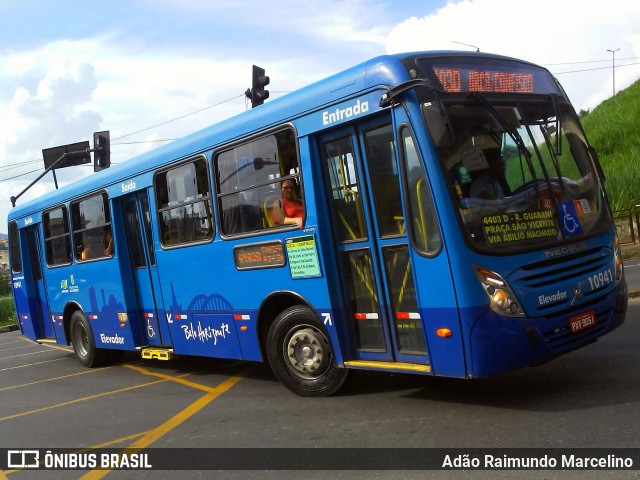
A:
(306, 352)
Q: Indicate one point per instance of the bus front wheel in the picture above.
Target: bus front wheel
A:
(301, 356)
(83, 342)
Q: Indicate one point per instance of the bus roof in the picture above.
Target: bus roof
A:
(380, 72)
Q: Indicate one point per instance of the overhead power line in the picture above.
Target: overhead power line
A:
(9, 167)
(586, 61)
(596, 68)
(20, 164)
(21, 175)
(178, 118)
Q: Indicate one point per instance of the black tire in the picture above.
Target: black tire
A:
(301, 356)
(83, 342)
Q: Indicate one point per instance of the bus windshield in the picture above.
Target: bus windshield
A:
(519, 169)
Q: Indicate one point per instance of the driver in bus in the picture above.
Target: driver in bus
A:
(488, 186)
(287, 210)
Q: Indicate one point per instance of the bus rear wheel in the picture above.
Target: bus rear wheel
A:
(83, 342)
(301, 356)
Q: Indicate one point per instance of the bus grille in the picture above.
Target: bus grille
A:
(564, 272)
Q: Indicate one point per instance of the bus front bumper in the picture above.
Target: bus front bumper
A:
(500, 344)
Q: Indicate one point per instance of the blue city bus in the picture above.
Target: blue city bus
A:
(451, 220)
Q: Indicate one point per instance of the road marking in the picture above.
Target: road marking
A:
(78, 400)
(188, 412)
(2, 344)
(158, 432)
(24, 354)
(170, 378)
(34, 363)
(54, 378)
(22, 346)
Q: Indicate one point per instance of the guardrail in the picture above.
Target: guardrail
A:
(627, 223)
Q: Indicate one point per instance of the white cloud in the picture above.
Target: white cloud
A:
(544, 32)
(66, 90)
(335, 20)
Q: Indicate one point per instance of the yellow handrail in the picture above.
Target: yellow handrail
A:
(423, 225)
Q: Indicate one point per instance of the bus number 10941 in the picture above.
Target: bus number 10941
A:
(601, 279)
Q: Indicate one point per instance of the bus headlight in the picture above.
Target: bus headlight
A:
(502, 300)
(617, 259)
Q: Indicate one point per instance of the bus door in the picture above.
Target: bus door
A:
(362, 179)
(137, 228)
(43, 323)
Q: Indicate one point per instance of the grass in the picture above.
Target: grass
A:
(7, 312)
(613, 128)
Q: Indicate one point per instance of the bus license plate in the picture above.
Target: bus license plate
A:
(584, 320)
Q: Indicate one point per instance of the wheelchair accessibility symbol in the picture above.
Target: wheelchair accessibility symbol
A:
(150, 331)
(570, 221)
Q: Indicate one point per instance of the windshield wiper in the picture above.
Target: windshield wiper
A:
(553, 154)
(543, 167)
(513, 133)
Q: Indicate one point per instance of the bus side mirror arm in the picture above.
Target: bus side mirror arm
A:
(390, 96)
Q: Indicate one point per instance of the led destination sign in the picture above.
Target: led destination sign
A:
(488, 75)
(461, 80)
(260, 255)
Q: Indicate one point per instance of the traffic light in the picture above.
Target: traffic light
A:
(259, 80)
(102, 151)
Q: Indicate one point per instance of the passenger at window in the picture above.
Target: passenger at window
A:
(87, 253)
(288, 210)
(108, 244)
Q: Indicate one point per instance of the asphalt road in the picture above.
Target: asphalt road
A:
(632, 275)
(586, 399)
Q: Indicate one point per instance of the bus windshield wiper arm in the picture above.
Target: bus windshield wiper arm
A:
(553, 154)
(513, 133)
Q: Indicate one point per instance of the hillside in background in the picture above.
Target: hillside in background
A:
(613, 129)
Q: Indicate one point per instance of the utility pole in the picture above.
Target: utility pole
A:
(613, 66)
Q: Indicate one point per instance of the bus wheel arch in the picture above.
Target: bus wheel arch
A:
(301, 355)
(83, 341)
(69, 310)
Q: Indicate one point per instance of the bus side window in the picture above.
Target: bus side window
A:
(384, 176)
(57, 238)
(14, 248)
(92, 233)
(340, 161)
(184, 204)
(425, 232)
(252, 178)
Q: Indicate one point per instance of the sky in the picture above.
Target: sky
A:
(154, 70)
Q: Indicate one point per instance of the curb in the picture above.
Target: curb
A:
(9, 328)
